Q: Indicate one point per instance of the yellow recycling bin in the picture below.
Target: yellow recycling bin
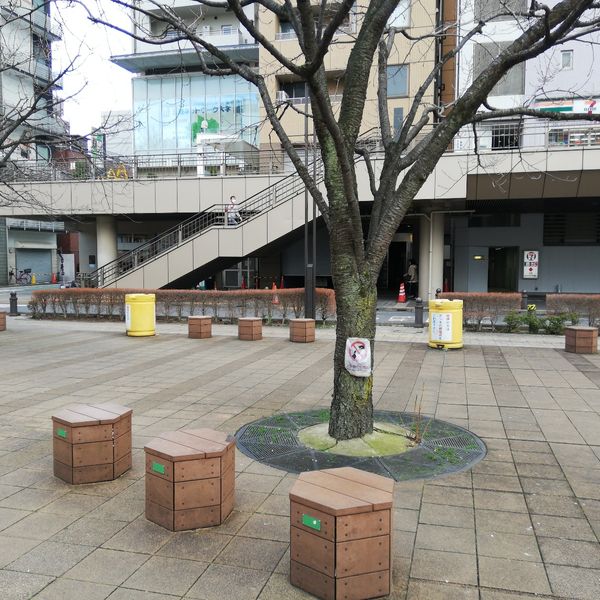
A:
(140, 314)
(446, 323)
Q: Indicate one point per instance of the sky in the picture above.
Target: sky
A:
(95, 85)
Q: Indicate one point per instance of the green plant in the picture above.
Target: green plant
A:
(512, 321)
(533, 322)
(555, 324)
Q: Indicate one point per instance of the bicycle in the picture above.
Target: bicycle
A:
(22, 277)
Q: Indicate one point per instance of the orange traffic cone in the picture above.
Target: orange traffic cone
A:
(53, 278)
(401, 294)
(275, 296)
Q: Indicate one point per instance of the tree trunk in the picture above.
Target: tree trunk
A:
(352, 404)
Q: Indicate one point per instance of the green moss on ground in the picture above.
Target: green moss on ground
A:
(386, 439)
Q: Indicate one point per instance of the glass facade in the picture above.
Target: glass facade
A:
(168, 111)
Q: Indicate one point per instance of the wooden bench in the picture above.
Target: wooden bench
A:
(199, 328)
(250, 328)
(2, 321)
(302, 330)
(581, 340)
(91, 442)
(190, 478)
(340, 525)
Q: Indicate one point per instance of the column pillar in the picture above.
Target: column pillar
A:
(106, 239)
(437, 252)
(431, 255)
(423, 260)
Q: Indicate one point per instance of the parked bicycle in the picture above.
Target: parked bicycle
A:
(21, 277)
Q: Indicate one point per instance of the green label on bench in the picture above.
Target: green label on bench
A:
(61, 433)
(311, 522)
(158, 468)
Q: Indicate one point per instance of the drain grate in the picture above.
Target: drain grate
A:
(464, 442)
(276, 436)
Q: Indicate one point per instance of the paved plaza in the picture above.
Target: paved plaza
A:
(523, 524)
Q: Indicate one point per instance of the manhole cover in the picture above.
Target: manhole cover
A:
(446, 448)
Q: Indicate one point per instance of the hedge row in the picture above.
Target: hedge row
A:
(584, 305)
(479, 307)
(221, 304)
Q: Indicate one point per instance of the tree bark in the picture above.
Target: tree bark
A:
(352, 404)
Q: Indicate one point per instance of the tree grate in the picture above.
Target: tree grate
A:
(447, 448)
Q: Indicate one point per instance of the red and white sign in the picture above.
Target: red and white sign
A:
(531, 262)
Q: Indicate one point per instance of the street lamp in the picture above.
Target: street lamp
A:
(310, 258)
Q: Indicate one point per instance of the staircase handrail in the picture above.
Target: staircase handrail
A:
(212, 216)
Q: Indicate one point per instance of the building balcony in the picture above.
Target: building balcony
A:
(236, 43)
(42, 23)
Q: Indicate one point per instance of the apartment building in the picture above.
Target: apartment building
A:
(554, 215)
(27, 79)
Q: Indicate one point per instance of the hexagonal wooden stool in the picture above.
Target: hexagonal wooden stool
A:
(340, 525)
(190, 478)
(199, 328)
(581, 340)
(250, 328)
(92, 442)
(2, 321)
(302, 330)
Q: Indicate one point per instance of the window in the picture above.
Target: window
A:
(226, 30)
(495, 220)
(294, 89)
(513, 82)
(486, 10)
(566, 60)
(506, 136)
(574, 136)
(397, 84)
(398, 118)
(401, 16)
(575, 229)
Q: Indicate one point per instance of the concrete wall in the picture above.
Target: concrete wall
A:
(573, 268)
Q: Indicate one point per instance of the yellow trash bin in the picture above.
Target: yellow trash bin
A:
(140, 314)
(446, 323)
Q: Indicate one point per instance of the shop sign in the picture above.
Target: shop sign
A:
(531, 262)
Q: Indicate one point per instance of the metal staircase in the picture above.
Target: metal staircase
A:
(212, 218)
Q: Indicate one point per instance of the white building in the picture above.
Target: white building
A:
(27, 80)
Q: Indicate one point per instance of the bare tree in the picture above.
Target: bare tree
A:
(408, 155)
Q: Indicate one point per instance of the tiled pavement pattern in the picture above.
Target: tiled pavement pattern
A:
(523, 524)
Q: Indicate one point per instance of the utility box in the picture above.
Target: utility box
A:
(140, 315)
(340, 534)
(445, 323)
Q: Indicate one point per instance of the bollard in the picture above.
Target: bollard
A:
(419, 312)
(14, 310)
(524, 300)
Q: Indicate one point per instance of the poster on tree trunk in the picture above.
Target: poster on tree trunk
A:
(358, 357)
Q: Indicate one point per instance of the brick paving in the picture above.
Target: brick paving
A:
(523, 524)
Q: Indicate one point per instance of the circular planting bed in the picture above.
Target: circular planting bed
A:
(403, 445)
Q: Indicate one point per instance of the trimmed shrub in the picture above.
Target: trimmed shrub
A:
(582, 305)
(479, 307)
(109, 302)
